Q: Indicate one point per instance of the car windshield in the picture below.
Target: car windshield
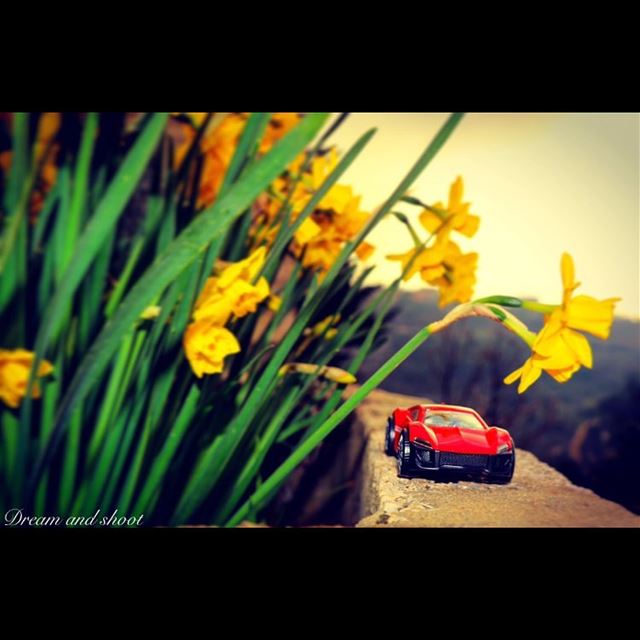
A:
(452, 419)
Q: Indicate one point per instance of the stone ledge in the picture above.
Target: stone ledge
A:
(538, 496)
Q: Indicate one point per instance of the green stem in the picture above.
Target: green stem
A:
(539, 307)
(416, 240)
(266, 489)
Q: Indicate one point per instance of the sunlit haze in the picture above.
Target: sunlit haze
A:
(541, 183)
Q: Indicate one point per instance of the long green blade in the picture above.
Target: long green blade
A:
(96, 232)
(192, 242)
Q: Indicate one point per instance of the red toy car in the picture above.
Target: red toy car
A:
(446, 438)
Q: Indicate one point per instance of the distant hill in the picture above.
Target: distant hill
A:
(466, 364)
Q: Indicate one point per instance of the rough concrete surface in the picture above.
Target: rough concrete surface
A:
(538, 495)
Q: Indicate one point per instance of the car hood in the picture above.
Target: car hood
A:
(462, 440)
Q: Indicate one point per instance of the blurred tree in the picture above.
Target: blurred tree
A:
(603, 453)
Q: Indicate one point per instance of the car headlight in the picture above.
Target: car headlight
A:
(426, 455)
(504, 448)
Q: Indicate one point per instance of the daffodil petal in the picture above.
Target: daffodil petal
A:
(307, 231)
(429, 220)
(455, 193)
(470, 225)
(563, 375)
(513, 376)
(568, 272)
(530, 374)
(546, 341)
(365, 250)
(580, 347)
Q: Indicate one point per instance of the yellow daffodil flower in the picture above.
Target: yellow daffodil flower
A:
(15, 366)
(458, 281)
(336, 228)
(427, 262)
(233, 291)
(212, 304)
(307, 231)
(245, 297)
(583, 312)
(559, 349)
(443, 264)
(340, 199)
(206, 345)
(308, 183)
(246, 269)
(321, 167)
(218, 148)
(456, 213)
(219, 145)
(321, 252)
(532, 369)
(336, 220)
(558, 352)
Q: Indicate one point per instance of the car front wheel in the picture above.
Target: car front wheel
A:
(405, 456)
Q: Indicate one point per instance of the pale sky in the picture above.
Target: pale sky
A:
(541, 183)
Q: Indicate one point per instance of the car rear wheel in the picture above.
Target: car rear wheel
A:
(405, 456)
(388, 438)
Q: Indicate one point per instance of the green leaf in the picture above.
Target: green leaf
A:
(80, 182)
(96, 232)
(164, 458)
